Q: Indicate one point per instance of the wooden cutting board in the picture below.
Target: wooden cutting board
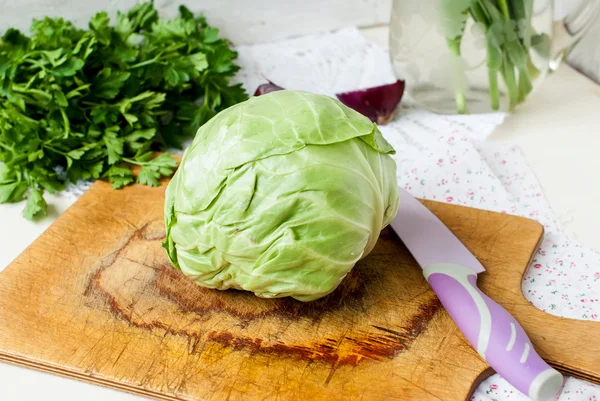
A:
(94, 298)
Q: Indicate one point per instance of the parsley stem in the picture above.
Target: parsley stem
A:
(65, 122)
(6, 147)
(16, 160)
(31, 80)
(144, 63)
(36, 63)
(158, 56)
(147, 62)
(51, 149)
(133, 161)
(19, 89)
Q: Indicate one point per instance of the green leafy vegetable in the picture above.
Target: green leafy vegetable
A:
(153, 169)
(95, 101)
(119, 176)
(36, 205)
(509, 36)
(280, 195)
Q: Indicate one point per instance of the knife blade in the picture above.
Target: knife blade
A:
(451, 270)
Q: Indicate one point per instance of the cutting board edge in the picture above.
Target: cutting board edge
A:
(465, 207)
(75, 375)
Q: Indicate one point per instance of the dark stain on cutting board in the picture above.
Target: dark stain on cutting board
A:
(166, 299)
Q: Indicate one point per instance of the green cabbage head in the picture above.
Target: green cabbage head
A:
(280, 195)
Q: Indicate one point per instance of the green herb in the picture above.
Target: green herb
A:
(509, 39)
(95, 101)
(454, 17)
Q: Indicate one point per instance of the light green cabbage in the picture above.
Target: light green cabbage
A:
(280, 195)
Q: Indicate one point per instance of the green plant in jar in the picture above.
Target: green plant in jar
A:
(477, 56)
(508, 35)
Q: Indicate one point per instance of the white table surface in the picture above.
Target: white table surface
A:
(558, 130)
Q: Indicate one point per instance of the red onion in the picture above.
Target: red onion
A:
(267, 88)
(378, 103)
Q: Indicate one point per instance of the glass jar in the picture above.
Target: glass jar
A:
(478, 56)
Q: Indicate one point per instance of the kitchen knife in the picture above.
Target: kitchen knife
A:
(451, 271)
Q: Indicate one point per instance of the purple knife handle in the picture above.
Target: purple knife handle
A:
(493, 332)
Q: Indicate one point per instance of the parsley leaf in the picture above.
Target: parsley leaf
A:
(92, 102)
(35, 206)
(114, 146)
(69, 68)
(119, 176)
(148, 177)
(154, 169)
(107, 83)
(12, 192)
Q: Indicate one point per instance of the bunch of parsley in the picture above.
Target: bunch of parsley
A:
(88, 104)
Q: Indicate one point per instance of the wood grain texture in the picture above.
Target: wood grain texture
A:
(95, 298)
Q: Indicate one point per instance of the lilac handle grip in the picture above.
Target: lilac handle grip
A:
(492, 331)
